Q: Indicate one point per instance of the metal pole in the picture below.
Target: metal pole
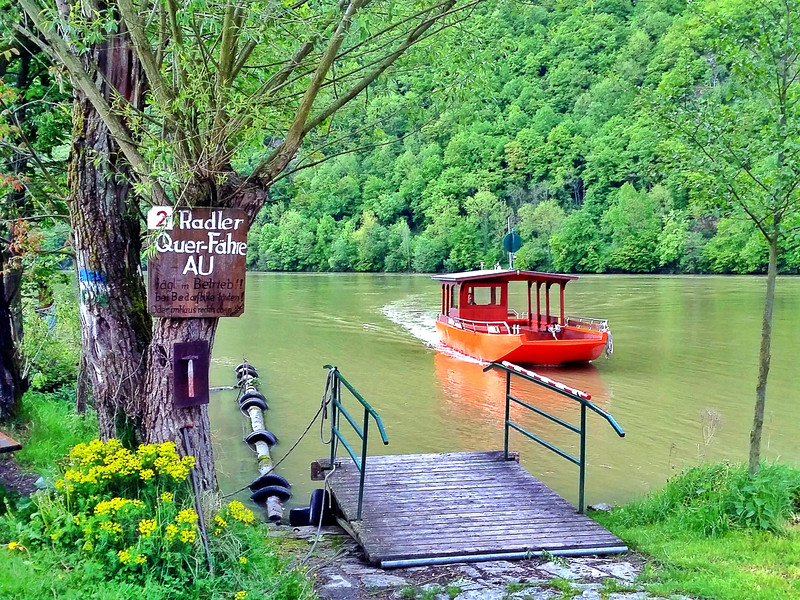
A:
(334, 413)
(201, 520)
(508, 413)
(582, 466)
(510, 254)
(363, 462)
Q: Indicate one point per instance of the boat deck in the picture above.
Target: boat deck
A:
(459, 507)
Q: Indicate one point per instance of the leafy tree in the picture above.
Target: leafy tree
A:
(32, 122)
(733, 97)
(199, 141)
(633, 226)
(577, 246)
(399, 251)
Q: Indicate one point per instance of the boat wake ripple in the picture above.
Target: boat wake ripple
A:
(420, 323)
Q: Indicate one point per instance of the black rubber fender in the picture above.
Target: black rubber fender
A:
(268, 479)
(245, 366)
(300, 516)
(250, 402)
(261, 435)
(318, 507)
(249, 373)
(260, 496)
(252, 394)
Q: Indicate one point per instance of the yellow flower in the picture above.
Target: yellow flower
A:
(187, 515)
(167, 497)
(111, 527)
(243, 560)
(147, 527)
(16, 546)
(172, 531)
(140, 559)
(217, 531)
(188, 536)
(240, 595)
(124, 556)
(220, 521)
(146, 474)
(240, 513)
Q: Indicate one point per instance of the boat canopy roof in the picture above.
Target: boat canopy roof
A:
(503, 276)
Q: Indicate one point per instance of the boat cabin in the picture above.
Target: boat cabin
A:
(482, 296)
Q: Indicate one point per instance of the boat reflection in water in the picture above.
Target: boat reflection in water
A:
(474, 400)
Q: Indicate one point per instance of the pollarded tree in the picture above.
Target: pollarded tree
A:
(32, 122)
(220, 77)
(736, 103)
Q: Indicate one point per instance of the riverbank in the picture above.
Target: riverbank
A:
(340, 573)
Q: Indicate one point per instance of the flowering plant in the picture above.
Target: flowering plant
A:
(129, 511)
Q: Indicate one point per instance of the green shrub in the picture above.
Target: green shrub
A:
(51, 345)
(713, 499)
(128, 518)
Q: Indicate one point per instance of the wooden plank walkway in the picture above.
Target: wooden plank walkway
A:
(8, 444)
(444, 507)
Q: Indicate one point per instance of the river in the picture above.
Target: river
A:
(681, 380)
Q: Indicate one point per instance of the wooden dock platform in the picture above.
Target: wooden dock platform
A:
(8, 444)
(459, 507)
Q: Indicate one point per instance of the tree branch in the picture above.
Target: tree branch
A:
(58, 50)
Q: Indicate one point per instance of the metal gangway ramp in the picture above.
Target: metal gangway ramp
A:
(420, 509)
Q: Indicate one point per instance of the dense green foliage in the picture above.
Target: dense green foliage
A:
(714, 499)
(717, 532)
(125, 521)
(559, 126)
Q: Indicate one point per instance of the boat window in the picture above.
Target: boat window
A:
(484, 295)
(454, 296)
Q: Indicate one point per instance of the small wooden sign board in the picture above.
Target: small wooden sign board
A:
(190, 362)
(199, 266)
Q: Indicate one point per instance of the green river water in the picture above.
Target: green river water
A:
(681, 380)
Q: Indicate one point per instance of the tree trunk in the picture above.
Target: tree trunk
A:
(12, 384)
(163, 422)
(764, 356)
(115, 325)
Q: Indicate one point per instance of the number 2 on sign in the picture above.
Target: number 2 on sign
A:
(159, 217)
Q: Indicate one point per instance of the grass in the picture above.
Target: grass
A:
(47, 574)
(48, 427)
(565, 587)
(715, 532)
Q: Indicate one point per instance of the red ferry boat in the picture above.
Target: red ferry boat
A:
(476, 320)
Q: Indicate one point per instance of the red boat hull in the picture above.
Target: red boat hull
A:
(574, 344)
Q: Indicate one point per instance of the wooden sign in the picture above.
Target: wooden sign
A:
(199, 266)
(190, 370)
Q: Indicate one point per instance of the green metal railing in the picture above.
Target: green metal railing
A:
(338, 410)
(575, 394)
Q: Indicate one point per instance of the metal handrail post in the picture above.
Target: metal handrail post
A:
(363, 469)
(334, 413)
(508, 414)
(582, 467)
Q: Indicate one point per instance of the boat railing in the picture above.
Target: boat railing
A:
(482, 326)
(334, 388)
(588, 323)
(579, 396)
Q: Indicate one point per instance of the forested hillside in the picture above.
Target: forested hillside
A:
(553, 122)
